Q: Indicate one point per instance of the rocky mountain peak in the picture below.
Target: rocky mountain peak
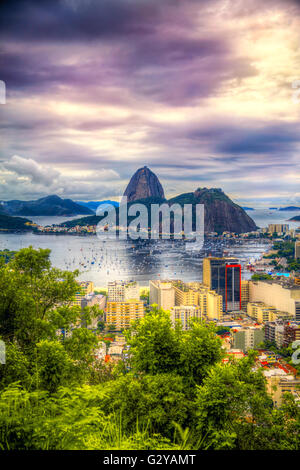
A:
(143, 184)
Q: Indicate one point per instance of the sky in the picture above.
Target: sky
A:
(199, 91)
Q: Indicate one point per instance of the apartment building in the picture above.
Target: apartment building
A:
(185, 293)
(263, 313)
(247, 338)
(122, 314)
(91, 300)
(121, 291)
(274, 332)
(195, 293)
(291, 333)
(162, 293)
(279, 382)
(283, 295)
(280, 229)
(185, 313)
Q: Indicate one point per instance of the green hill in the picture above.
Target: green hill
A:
(10, 223)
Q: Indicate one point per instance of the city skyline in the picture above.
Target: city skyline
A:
(201, 92)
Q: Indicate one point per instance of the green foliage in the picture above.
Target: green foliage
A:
(81, 345)
(172, 393)
(34, 307)
(101, 326)
(154, 344)
(54, 367)
(286, 249)
(231, 398)
(154, 401)
(69, 420)
(102, 292)
(200, 348)
(157, 347)
(111, 328)
(16, 368)
(6, 255)
(261, 277)
(30, 291)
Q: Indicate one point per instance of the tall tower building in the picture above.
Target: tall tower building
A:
(223, 275)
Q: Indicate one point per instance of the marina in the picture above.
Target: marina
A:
(103, 261)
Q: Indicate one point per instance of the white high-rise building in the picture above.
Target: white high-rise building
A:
(162, 293)
(121, 291)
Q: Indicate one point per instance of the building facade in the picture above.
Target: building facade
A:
(122, 314)
(121, 291)
(162, 293)
(283, 295)
(263, 313)
(245, 295)
(195, 293)
(247, 338)
(223, 275)
(185, 314)
(91, 300)
(280, 229)
(274, 333)
(291, 334)
(278, 383)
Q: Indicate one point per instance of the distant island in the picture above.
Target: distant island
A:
(248, 208)
(289, 208)
(296, 218)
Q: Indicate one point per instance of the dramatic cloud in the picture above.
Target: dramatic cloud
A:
(29, 168)
(22, 176)
(200, 91)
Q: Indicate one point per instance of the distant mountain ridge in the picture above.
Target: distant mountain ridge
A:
(93, 205)
(46, 206)
(221, 213)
